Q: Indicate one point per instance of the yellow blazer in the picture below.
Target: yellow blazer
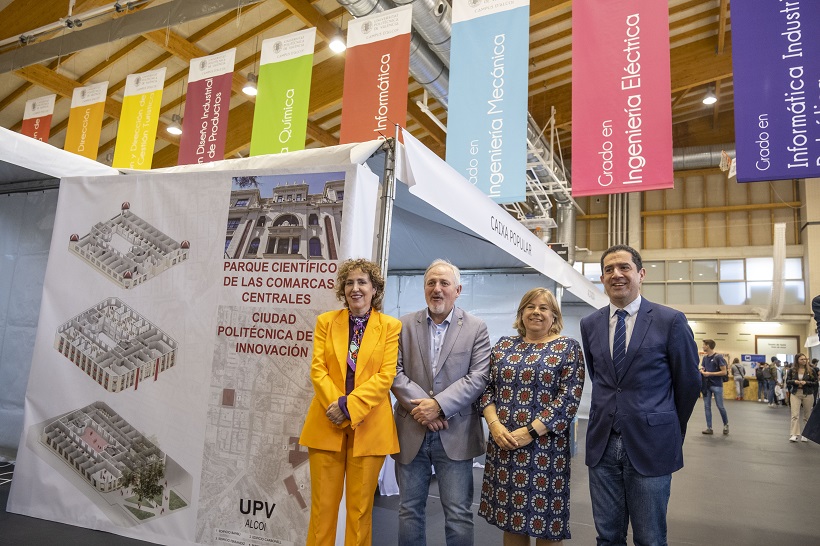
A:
(371, 416)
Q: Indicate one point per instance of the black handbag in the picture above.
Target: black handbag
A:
(745, 382)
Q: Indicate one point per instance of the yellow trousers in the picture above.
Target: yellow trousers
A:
(331, 473)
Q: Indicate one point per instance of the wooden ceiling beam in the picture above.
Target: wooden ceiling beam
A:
(722, 23)
(547, 8)
(312, 18)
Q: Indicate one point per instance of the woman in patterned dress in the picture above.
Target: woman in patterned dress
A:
(536, 379)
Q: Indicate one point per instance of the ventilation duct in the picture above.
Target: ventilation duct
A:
(700, 157)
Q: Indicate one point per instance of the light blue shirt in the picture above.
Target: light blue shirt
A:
(437, 333)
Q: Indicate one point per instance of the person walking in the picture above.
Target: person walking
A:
(713, 369)
(802, 384)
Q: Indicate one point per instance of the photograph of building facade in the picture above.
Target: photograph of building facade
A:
(127, 249)
(116, 346)
(299, 220)
(99, 445)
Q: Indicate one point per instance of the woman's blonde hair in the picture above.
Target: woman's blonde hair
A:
(552, 303)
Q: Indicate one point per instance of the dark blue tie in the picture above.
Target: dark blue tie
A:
(619, 342)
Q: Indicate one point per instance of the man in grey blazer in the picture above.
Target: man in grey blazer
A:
(444, 364)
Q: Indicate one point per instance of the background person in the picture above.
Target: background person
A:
(443, 366)
(536, 380)
(643, 363)
(738, 371)
(713, 369)
(802, 384)
(349, 427)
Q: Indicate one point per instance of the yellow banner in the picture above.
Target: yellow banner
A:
(83, 133)
(137, 132)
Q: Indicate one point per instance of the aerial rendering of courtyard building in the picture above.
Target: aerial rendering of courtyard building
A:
(127, 249)
(100, 446)
(292, 223)
(116, 346)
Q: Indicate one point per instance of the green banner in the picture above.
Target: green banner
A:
(280, 117)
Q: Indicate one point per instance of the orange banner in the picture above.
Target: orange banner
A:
(37, 117)
(85, 120)
(377, 67)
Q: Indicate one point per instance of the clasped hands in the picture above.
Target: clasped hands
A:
(426, 413)
(335, 413)
(507, 440)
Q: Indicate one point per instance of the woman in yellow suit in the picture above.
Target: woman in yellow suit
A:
(349, 427)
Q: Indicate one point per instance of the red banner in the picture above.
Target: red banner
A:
(621, 89)
(37, 117)
(205, 125)
(377, 67)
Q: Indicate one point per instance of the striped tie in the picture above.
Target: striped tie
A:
(619, 342)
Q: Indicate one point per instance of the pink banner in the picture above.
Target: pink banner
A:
(621, 106)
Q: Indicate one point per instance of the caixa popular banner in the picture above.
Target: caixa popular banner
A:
(621, 110)
(776, 62)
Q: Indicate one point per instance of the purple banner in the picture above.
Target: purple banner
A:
(776, 61)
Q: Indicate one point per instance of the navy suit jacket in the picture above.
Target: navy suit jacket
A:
(656, 393)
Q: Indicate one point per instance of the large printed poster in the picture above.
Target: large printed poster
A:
(170, 376)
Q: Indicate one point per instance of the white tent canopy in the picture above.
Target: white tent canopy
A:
(436, 213)
(27, 164)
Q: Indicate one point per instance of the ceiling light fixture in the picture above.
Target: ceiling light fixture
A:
(337, 44)
(250, 87)
(710, 98)
(174, 127)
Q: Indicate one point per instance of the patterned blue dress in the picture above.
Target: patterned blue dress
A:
(526, 490)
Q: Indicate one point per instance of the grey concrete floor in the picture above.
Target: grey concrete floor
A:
(752, 487)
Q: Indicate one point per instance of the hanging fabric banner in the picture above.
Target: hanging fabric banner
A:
(487, 117)
(776, 75)
(137, 132)
(621, 88)
(85, 120)
(37, 117)
(207, 103)
(281, 113)
(377, 67)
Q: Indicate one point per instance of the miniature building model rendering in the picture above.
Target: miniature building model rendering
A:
(115, 346)
(291, 224)
(99, 445)
(127, 249)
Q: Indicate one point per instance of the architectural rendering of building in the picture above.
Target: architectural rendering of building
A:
(292, 223)
(99, 445)
(127, 249)
(116, 346)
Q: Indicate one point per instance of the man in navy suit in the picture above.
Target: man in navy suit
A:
(643, 362)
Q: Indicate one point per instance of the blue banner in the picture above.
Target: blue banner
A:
(776, 62)
(487, 116)
(753, 358)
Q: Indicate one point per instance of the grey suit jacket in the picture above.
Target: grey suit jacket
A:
(463, 370)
